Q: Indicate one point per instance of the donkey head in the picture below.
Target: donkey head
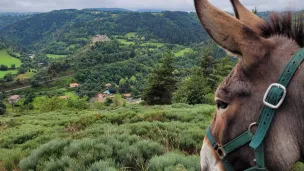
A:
(239, 96)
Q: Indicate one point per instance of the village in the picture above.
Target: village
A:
(98, 98)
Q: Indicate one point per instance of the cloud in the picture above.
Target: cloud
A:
(184, 5)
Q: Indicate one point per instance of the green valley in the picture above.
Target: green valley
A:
(106, 89)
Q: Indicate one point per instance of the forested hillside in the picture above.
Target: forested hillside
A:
(67, 29)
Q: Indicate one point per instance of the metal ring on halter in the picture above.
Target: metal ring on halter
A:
(252, 125)
(221, 152)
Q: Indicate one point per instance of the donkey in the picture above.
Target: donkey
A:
(264, 49)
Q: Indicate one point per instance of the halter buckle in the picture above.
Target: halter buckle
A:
(221, 152)
(281, 100)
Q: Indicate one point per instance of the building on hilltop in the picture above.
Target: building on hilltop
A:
(100, 38)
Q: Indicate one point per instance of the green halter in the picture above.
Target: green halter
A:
(273, 99)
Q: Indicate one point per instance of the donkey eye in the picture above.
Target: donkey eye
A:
(221, 105)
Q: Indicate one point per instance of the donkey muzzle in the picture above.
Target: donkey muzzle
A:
(210, 160)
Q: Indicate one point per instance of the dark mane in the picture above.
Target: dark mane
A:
(288, 24)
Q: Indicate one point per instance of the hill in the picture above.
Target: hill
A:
(8, 18)
(150, 10)
(108, 9)
(65, 31)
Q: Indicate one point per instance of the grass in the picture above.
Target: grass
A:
(2, 73)
(182, 52)
(131, 35)
(6, 59)
(123, 41)
(26, 75)
(153, 44)
(53, 56)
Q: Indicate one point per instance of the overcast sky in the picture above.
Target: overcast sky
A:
(184, 5)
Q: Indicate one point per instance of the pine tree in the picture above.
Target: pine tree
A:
(161, 83)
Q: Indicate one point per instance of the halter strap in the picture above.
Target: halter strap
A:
(274, 96)
(273, 99)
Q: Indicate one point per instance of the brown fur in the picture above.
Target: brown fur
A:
(262, 61)
(244, 15)
(288, 25)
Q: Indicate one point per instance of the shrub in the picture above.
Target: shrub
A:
(51, 149)
(103, 166)
(8, 165)
(2, 105)
(108, 102)
(298, 167)
(105, 152)
(78, 103)
(118, 100)
(2, 111)
(46, 104)
(174, 161)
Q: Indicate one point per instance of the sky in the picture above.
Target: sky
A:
(173, 5)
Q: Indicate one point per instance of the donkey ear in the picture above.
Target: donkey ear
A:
(247, 17)
(232, 34)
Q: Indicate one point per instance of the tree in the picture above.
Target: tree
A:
(8, 77)
(3, 68)
(22, 70)
(34, 82)
(124, 86)
(2, 111)
(194, 89)
(2, 105)
(13, 66)
(29, 98)
(2, 108)
(255, 11)
(161, 83)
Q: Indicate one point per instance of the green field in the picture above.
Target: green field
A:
(123, 41)
(182, 52)
(53, 56)
(25, 75)
(2, 73)
(131, 35)
(6, 59)
(153, 44)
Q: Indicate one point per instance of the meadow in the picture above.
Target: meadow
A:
(3, 73)
(182, 52)
(76, 135)
(54, 56)
(123, 41)
(95, 137)
(6, 59)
